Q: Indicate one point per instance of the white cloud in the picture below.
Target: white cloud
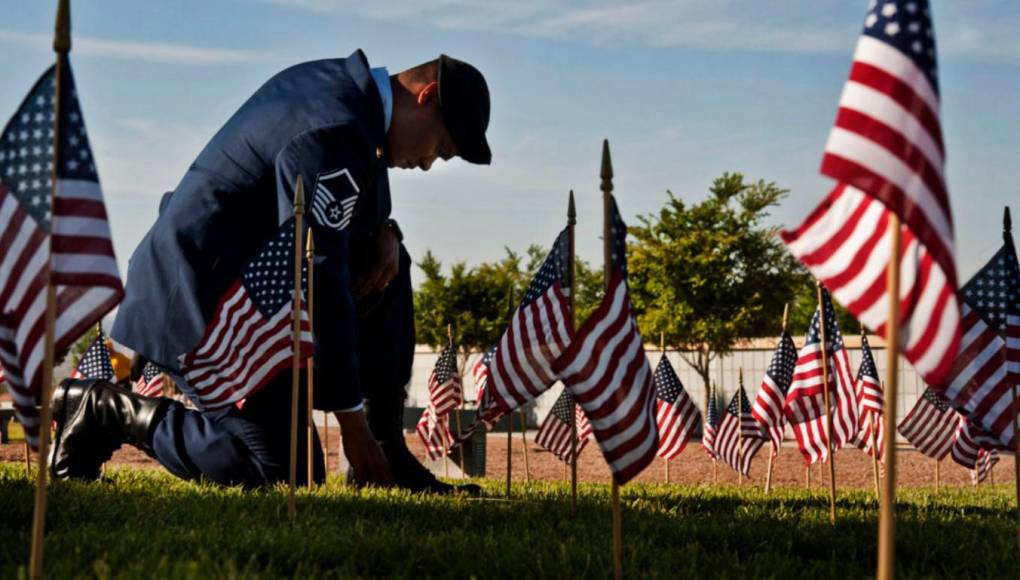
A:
(155, 52)
(791, 26)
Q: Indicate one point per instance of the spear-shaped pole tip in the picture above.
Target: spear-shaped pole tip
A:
(309, 244)
(571, 210)
(607, 168)
(1007, 221)
(299, 195)
(62, 30)
(449, 332)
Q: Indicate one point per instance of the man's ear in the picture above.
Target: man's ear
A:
(428, 93)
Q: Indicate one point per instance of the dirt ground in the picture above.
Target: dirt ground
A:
(853, 467)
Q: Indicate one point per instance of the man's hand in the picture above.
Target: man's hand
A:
(362, 450)
(385, 263)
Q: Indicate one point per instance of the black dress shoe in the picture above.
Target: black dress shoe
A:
(94, 418)
(409, 473)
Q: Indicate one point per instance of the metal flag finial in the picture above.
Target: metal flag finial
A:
(62, 31)
(309, 246)
(299, 195)
(607, 168)
(571, 210)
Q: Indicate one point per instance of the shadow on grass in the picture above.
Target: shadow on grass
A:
(148, 524)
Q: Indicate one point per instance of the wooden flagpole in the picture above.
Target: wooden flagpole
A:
(874, 455)
(571, 223)
(28, 459)
(295, 365)
(509, 450)
(460, 379)
(828, 407)
(524, 443)
(606, 173)
(807, 476)
(61, 45)
(774, 450)
(740, 427)
(662, 349)
(887, 501)
(310, 455)
(938, 463)
(1007, 228)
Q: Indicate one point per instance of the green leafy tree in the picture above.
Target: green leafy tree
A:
(712, 273)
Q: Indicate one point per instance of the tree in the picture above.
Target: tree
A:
(711, 273)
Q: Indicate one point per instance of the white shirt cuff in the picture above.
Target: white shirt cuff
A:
(353, 409)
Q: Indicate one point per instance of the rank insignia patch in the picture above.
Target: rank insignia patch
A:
(335, 197)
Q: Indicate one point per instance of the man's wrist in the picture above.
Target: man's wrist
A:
(392, 225)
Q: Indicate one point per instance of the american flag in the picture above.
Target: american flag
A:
(444, 396)
(675, 413)
(554, 434)
(887, 153)
(965, 450)
(95, 362)
(737, 438)
(981, 380)
(249, 338)
(536, 336)
(480, 373)
(150, 384)
(931, 425)
(606, 370)
(805, 402)
(870, 399)
(987, 458)
(768, 404)
(64, 238)
(709, 429)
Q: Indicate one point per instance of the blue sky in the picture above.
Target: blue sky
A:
(684, 91)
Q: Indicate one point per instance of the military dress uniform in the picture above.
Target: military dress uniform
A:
(325, 120)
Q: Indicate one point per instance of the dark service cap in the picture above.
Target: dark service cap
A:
(464, 102)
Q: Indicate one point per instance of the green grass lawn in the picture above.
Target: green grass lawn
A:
(147, 524)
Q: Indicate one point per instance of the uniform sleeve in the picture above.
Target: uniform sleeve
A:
(334, 163)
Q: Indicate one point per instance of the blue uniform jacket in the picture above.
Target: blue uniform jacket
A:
(321, 119)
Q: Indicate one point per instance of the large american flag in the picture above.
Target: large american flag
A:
(95, 362)
(65, 238)
(771, 397)
(931, 425)
(151, 383)
(606, 370)
(249, 337)
(554, 433)
(981, 380)
(737, 436)
(675, 413)
(805, 402)
(445, 395)
(709, 428)
(538, 333)
(887, 153)
(870, 398)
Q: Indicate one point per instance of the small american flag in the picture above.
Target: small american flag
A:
(805, 402)
(554, 434)
(711, 424)
(249, 338)
(675, 413)
(606, 370)
(737, 436)
(986, 460)
(150, 384)
(64, 238)
(931, 425)
(95, 362)
(480, 373)
(768, 404)
(536, 336)
(870, 398)
(886, 150)
(981, 381)
(444, 396)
